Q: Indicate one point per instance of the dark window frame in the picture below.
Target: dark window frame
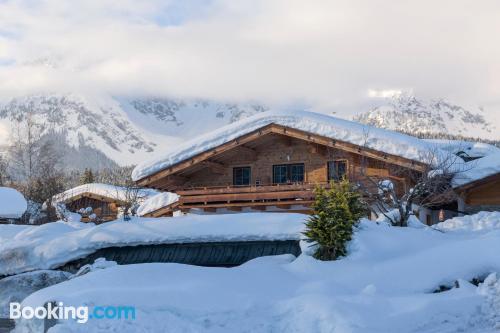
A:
(336, 177)
(240, 180)
(290, 173)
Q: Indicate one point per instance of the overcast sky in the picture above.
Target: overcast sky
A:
(326, 54)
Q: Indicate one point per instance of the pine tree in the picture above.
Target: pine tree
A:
(336, 211)
(87, 177)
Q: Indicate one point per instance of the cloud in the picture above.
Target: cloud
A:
(324, 53)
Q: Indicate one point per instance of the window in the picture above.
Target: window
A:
(288, 173)
(337, 170)
(241, 176)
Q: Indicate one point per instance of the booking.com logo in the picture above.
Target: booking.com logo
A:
(58, 311)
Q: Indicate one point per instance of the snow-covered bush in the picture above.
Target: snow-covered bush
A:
(336, 211)
(65, 214)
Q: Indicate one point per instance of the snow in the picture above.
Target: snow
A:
(156, 202)
(379, 139)
(12, 203)
(473, 149)
(384, 285)
(482, 221)
(54, 244)
(478, 169)
(106, 190)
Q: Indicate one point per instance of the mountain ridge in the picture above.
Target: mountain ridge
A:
(128, 130)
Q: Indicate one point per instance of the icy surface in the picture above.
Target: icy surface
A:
(335, 128)
(12, 203)
(384, 285)
(156, 202)
(53, 244)
(106, 190)
(478, 169)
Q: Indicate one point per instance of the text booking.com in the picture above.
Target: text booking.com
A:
(81, 314)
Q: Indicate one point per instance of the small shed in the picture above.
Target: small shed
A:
(99, 202)
(12, 205)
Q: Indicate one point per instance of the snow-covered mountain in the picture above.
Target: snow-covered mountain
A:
(124, 130)
(411, 115)
(99, 131)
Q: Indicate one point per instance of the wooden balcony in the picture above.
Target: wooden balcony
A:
(295, 197)
(255, 196)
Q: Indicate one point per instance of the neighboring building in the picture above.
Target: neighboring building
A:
(12, 205)
(99, 202)
(479, 186)
(273, 161)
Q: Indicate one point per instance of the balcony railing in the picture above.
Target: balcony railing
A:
(253, 195)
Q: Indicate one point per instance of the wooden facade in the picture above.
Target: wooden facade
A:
(105, 208)
(483, 194)
(277, 167)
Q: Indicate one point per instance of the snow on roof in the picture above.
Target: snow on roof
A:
(478, 169)
(339, 129)
(471, 148)
(156, 202)
(12, 203)
(53, 244)
(105, 190)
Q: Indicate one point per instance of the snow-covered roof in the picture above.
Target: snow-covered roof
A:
(105, 190)
(338, 129)
(471, 148)
(12, 203)
(478, 169)
(156, 202)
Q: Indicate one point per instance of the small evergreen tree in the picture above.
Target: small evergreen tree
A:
(336, 211)
(87, 177)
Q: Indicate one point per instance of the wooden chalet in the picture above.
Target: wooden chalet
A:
(96, 202)
(273, 168)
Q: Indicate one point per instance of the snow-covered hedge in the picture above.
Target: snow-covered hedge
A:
(53, 244)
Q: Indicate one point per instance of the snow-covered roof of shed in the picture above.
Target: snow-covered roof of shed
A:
(473, 149)
(478, 169)
(156, 202)
(105, 190)
(386, 141)
(12, 203)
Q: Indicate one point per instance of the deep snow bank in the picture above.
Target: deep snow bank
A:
(53, 244)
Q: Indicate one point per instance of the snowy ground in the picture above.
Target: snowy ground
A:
(385, 284)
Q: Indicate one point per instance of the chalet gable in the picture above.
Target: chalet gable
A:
(242, 146)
